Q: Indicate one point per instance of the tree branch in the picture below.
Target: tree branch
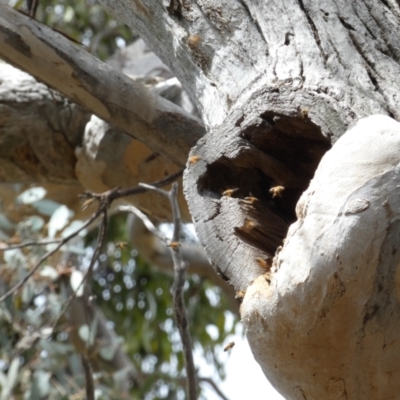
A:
(88, 377)
(109, 94)
(179, 280)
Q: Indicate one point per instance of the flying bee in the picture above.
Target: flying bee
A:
(276, 191)
(229, 346)
(121, 245)
(240, 295)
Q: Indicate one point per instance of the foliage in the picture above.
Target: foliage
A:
(86, 22)
(37, 361)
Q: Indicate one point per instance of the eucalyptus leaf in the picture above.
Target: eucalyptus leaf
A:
(5, 223)
(3, 379)
(84, 333)
(76, 282)
(46, 206)
(59, 220)
(15, 259)
(34, 223)
(41, 382)
(12, 378)
(31, 195)
(49, 272)
(28, 291)
(93, 330)
(107, 352)
(73, 227)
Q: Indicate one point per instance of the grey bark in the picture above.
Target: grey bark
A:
(109, 94)
(277, 84)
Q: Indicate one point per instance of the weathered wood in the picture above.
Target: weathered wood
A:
(326, 323)
(278, 83)
(101, 89)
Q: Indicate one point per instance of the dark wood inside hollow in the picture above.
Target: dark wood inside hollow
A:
(295, 142)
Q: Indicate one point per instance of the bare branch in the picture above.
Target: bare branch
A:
(180, 268)
(105, 200)
(145, 219)
(88, 377)
(99, 88)
(47, 255)
(214, 386)
(5, 246)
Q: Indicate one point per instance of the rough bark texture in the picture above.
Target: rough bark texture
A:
(49, 141)
(103, 90)
(277, 84)
(325, 324)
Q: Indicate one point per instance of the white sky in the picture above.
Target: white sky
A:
(244, 378)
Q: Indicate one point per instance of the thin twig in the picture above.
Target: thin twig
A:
(214, 386)
(88, 377)
(105, 200)
(179, 302)
(47, 255)
(88, 273)
(29, 243)
(145, 219)
(179, 281)
(117, 193)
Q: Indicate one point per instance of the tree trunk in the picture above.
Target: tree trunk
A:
(277, 84)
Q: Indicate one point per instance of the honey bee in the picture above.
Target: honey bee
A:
(174, 245)
(229, 346)
(264, 263)
(304, 112)
(194, 41)
(276, 191)
(240, 295)
(251, 200)
(121, 245)
(229, 192)
(248, 225)
(194, 159)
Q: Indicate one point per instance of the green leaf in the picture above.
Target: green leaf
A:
(76, 282)
(12, 378)
(84, 333)
(107, 352)
(49, 272)
(31, 195)
(59, 220)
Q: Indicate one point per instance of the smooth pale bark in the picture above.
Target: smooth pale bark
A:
(101, 89)
(327, 325)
